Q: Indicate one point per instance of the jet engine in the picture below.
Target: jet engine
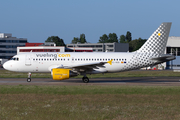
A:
(62, 74)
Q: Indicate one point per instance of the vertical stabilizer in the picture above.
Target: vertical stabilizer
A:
(158, 40)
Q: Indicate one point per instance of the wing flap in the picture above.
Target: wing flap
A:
(88, 65)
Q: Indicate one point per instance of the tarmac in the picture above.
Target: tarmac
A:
(134, 81)
(129, 81)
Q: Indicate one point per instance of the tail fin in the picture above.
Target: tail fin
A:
(157, 41)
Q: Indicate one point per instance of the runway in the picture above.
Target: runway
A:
(144, 81)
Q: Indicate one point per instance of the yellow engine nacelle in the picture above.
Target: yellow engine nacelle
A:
(62, 74)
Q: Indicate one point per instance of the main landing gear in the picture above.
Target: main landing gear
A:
(29, 77)
(85, 79)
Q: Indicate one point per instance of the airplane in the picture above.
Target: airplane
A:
(64, 65)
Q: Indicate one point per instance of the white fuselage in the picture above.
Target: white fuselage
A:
(44, 62)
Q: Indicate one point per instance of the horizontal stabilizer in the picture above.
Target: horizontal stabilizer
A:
(164, 58)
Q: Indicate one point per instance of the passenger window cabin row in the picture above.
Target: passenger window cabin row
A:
(78, 59)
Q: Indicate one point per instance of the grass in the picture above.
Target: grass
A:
(89, 102)
(9, 74)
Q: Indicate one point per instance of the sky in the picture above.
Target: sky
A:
(37, 20)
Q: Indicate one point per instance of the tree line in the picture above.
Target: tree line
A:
(111, 38)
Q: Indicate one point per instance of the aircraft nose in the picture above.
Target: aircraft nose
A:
(5, 66)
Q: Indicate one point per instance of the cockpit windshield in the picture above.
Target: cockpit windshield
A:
(15, 59)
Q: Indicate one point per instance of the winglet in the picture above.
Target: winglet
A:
(110, 62)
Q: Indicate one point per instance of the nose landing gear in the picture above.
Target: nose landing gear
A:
(29, 77)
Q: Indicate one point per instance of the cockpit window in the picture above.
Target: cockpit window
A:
(15, 59)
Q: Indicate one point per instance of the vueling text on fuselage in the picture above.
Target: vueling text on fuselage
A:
(53, 55)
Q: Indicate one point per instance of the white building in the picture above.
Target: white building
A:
(103, 47)
(21, 50)
(173, 47)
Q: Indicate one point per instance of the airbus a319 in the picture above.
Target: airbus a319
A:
(64, 65)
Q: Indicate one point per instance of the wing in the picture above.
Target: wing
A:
(89, 65)
(82, 67)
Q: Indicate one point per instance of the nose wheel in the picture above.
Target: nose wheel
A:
(29, 77)
(85, 79)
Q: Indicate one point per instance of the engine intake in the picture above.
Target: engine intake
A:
(62, 74)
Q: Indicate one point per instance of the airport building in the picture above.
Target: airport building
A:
(41, 44)
(103, 47)
(173, 47)
(49, 47)
(9, 44)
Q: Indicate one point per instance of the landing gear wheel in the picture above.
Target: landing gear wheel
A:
(85, 79)
(28, 79)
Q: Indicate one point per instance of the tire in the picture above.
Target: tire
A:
(85, 79)
(28, 79)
